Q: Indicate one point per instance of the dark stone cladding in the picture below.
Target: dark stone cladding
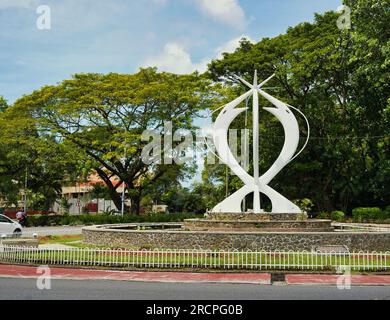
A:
(258, 225)
(20, 242)
(255, 216)
(222, 240)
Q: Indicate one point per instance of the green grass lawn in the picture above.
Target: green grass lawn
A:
(174, 259)
(80, 254)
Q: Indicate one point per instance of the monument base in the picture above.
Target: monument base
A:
(258, 225)
(266, 216)
(263, 222)
(148, 235)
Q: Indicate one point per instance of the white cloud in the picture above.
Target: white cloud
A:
(230, 46)
(176, 59)
(226, 11)
(15, 3)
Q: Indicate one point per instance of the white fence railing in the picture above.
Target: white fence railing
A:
(196, 259)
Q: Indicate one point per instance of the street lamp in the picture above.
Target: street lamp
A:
(123, 182)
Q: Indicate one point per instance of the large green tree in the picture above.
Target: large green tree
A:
(3, 104)
(340, 80)
(24, 154)
(102, 117)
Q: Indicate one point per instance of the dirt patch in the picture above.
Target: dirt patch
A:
(59, 238)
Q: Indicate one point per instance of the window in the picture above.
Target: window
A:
(5, 220)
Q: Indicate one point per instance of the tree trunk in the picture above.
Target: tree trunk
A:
(115, 196)
(135, 204)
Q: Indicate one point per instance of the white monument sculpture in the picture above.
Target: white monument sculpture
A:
(257, 183)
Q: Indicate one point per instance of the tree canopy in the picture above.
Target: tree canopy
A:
(94, 122)
(340, 80)
(102, 118)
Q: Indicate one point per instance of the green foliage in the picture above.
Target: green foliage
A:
(340, 80)
(3, 104)
(367, 214)
(199, 199)
(306, 205)
(110, 212)
(25, 151)
(100, 192)
(65, 205)
(89, 219)
(337, 216)
(103, 117)
(323, 215)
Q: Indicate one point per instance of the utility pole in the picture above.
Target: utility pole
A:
(25, 192)
(123, 199)
(123, 182)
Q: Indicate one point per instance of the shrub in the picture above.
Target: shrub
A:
(386, 212)
(367, 214)
(43, 220)
(337, 215)
(323, 215)
(306, 205)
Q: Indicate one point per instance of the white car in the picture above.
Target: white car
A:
(9, 227)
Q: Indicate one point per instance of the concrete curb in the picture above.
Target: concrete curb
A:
(324, 279)
(17, 271)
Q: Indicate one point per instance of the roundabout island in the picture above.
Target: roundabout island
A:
(231, 226)
(254, 235)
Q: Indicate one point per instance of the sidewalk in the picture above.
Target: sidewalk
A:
(13, 271)
(146, 276)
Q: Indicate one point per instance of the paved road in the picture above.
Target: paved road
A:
(21, 289)
(45, 231)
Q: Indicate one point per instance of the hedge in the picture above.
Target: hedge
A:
(369, 214)
(374, 214)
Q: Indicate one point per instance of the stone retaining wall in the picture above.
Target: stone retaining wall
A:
(20, 242)
(149, 239)
(259, 226)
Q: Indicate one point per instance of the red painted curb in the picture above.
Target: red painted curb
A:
(16, 271)
(87, 274)
(359, 280)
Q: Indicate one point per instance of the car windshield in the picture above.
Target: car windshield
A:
(4, 219)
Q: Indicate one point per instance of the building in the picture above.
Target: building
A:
(79, 198)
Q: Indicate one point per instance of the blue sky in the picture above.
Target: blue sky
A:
(122, 35)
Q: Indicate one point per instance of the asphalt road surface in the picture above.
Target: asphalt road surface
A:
(54, 231)
(26, 289)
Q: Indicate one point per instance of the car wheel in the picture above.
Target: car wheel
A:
(17, 233)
